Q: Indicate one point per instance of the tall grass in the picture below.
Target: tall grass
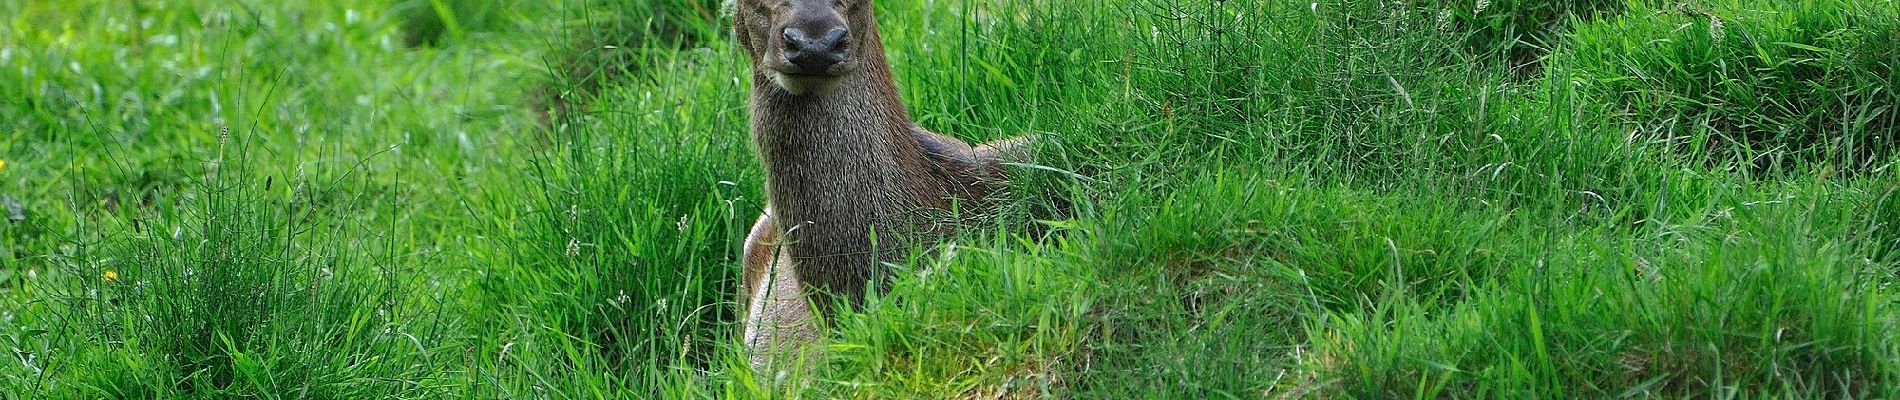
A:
(601, 43)
(246, 287)
(1768, 86)
(635, 227)
(222, 201)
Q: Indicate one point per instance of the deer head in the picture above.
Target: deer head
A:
(806, 46)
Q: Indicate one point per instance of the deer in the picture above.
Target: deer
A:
(851, 181)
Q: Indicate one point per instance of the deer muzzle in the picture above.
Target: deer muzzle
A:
(815, 54)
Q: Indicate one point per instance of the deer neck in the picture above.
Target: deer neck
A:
(841, 154)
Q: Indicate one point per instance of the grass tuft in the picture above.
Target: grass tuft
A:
(1763, 86)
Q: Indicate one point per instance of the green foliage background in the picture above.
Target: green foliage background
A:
(1234, 199)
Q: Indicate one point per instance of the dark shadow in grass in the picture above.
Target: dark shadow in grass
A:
(1517, 33)
(610, 41)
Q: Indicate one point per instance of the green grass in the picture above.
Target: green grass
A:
(1762, 85)
(1238, 199)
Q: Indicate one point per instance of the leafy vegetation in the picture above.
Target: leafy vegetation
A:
(1235, 199)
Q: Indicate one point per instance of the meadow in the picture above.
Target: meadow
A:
(1233, 199)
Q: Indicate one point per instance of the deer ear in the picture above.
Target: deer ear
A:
(742, 29)
(738, 29)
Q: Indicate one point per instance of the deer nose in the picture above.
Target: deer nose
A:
(814, 55)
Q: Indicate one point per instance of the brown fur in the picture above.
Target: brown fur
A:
(844, 163)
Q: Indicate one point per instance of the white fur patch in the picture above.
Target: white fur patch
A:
(804, 85)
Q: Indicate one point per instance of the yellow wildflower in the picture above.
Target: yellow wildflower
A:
(3, 165)
(111, 275)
